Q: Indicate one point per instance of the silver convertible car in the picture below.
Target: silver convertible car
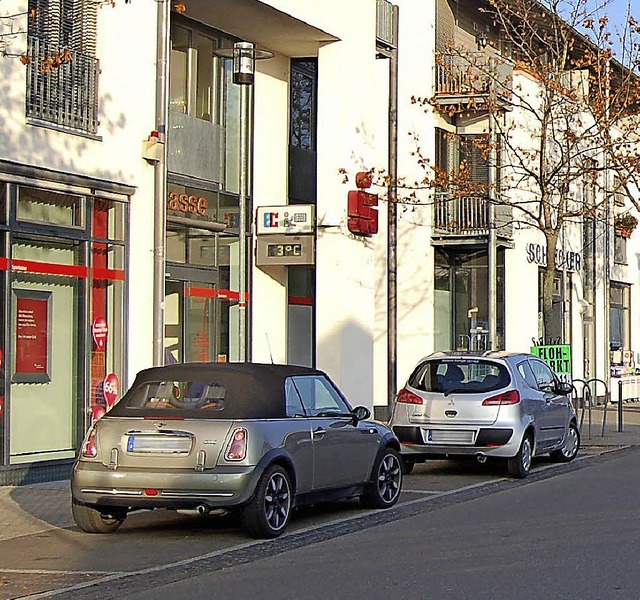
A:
(491, 404)
(253, 437)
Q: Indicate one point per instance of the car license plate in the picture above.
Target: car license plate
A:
(159, 444)
(450, 436)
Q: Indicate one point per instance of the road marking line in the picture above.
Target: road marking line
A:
(57, 572)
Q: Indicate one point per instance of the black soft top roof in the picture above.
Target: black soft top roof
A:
(253, 390)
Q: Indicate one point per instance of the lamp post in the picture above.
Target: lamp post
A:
(244, 56)
(243, 74)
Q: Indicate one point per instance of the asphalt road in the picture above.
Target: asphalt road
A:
(461, 531)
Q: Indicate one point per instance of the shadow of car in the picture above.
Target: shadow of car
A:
(259, 438)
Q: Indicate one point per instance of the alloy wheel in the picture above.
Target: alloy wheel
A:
(389, 478)
(277, 501)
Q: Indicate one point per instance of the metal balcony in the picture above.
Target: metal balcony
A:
(385, 29)
(471, 81)
(66, 96)
(465, 215)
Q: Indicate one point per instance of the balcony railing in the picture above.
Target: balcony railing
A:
(384, 24)
(66, 96)
(471, 79)
(467, 215)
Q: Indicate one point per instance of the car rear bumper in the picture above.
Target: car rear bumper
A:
(499, 442)
(93, 483)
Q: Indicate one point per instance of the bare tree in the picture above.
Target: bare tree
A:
(561, 93)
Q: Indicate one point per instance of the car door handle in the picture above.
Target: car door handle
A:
(319, 433)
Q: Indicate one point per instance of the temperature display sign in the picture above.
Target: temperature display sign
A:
(284, 250)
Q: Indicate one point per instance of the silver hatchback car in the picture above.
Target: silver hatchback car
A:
(491, 404)
(261, 439)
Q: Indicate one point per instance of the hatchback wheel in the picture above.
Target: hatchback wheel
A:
(520, 464)
(386, 481)
(267, 514)
(570, 447)
(93, 520)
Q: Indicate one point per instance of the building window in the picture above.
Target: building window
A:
(303, 103)
(620, 249)
(619, 308)
(62, 76)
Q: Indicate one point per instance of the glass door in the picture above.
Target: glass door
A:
(191, 315)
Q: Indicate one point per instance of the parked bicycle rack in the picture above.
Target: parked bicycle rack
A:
(584, 401)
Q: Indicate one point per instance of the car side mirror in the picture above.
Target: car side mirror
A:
(361, 413)
(563, 388)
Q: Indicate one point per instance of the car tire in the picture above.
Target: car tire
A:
(520, 464)
(267, 514)
(570, 446)
(385, 484)
(407, 466)
(93, 520)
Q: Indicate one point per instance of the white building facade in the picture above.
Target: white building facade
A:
(80, 197)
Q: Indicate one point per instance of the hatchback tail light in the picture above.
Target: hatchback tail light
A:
(89, 448)
(407, 397)
(237, 449)
(504, 399)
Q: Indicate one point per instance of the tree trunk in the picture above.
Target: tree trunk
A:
(548, 276)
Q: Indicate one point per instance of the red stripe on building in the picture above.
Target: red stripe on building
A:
(110, 274)
(301, 300)
(198, 292)
(32, 266)
(4, 264)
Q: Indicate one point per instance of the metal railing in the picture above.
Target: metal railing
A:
(465, 214)
(66, 95)
(459, 78)
(384, 23)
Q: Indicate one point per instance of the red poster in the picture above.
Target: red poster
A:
(32, 336)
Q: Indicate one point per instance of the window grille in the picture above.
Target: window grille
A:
(66, 95)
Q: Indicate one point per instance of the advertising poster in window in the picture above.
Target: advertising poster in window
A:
(32, 336)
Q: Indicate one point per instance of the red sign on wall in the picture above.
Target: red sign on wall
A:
(32, 336)
(362, 207)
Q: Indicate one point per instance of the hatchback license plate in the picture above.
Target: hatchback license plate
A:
(159, 444)
(450, 436)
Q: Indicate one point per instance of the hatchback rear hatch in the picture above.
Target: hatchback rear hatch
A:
(456, 390)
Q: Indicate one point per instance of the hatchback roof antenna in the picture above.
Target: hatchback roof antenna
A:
(269, 346)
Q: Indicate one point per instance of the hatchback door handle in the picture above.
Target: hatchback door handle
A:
(319, 433)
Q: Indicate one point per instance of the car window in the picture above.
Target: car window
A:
(464, 375)
(319, 397)
(179, 394)
(543, 374)
(524, 368)
(293, 401)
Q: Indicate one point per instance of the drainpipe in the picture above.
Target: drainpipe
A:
(392, 233)
(159, 208)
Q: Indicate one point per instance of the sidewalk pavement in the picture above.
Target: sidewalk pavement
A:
(32, 509)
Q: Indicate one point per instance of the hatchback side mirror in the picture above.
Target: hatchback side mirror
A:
(563, 388)
(361, 413)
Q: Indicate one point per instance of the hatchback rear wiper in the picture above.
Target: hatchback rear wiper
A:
(455, 390)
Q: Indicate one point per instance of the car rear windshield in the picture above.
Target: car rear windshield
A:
(195, 399)
(462, 375)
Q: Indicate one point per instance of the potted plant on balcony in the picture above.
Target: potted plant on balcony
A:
(625, 224)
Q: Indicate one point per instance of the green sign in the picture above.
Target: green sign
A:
(558, 357)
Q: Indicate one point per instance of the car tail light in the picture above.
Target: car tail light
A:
(89, 448)
(504, 399)
(407, 397)
(237, 449)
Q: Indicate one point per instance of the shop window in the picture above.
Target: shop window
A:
(50, 207)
